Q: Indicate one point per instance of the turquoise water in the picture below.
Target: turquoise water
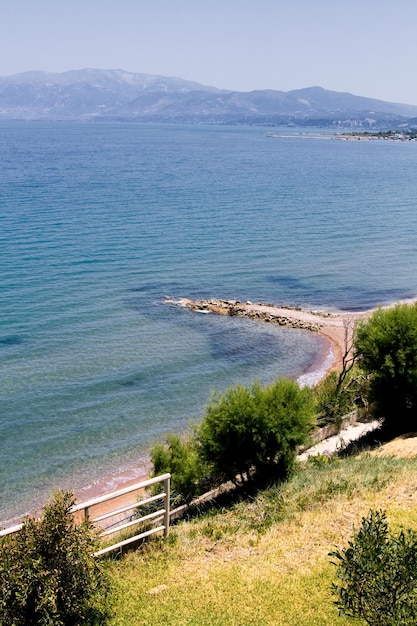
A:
(98, 223)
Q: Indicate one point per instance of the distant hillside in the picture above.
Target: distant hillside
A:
(116, 95)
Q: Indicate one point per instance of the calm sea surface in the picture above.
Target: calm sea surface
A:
(98, 223)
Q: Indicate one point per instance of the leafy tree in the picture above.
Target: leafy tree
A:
(179, 457)
(48, 573)
(377, 574)
(332, 401)
(225, 434)
(335, 398)
(253, 433)
(386, 345)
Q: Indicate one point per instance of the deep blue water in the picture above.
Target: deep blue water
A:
(98, 223)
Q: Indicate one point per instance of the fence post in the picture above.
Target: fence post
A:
(167, 502)
(85, 508)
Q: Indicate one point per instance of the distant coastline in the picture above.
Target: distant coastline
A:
(365, 136)
(390, 135)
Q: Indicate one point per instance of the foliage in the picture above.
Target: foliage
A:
(48, 573)
(377, 574)
(253, 433)
(335, 399)
(343, 391)
(179, 457)
(386, 345)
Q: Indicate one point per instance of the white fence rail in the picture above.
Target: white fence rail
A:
(116, 520)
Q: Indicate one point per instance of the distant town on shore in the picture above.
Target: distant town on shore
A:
(388, 135)
(383, 135)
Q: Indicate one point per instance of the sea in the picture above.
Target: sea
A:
(100, 223)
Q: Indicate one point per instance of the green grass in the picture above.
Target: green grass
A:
(265, 561)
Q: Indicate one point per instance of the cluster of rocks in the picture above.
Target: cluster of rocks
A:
(250, 310)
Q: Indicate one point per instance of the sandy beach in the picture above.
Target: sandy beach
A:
(335, 327)
(330, 325)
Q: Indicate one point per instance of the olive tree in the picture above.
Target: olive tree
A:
(376, 574)
(48, 573)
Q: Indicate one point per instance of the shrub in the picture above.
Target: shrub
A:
(336, 397)
(386, 346)
(48, 573)
(253, 433)
(377, 574)
(180, 458)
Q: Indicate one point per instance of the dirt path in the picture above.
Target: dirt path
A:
(341, 440)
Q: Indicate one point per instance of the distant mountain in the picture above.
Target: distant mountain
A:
(116, 95)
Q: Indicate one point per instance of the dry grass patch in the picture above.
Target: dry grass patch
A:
(405, 446)
(264, 562)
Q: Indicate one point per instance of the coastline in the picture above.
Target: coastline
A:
(114, 481)
(109, 483)
(331, 326)
(334, 327)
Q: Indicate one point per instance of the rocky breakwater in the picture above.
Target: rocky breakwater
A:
(291, 317)
(337, 327)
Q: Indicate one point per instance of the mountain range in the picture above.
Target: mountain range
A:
(117, 95)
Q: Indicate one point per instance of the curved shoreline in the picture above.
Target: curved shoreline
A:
(335, 327)
(331, 325)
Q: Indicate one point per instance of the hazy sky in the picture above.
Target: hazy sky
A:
(366, 47)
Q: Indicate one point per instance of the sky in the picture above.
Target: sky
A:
(365, 47)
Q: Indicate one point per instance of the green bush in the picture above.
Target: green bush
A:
(377, 573)
(48, 573)
(386, 346)
(336, 397)
(179, 457)
(252, 434)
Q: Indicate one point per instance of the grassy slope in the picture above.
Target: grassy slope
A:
(265, 562)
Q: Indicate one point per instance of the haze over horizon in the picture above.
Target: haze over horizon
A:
(234, 45)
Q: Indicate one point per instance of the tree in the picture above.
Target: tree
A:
(386, 346)
(343, 391)
(252, 434)
(48, 573)
(377, 574)
(179, 457)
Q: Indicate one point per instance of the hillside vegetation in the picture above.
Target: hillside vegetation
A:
(265, 561)
(261, 554)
